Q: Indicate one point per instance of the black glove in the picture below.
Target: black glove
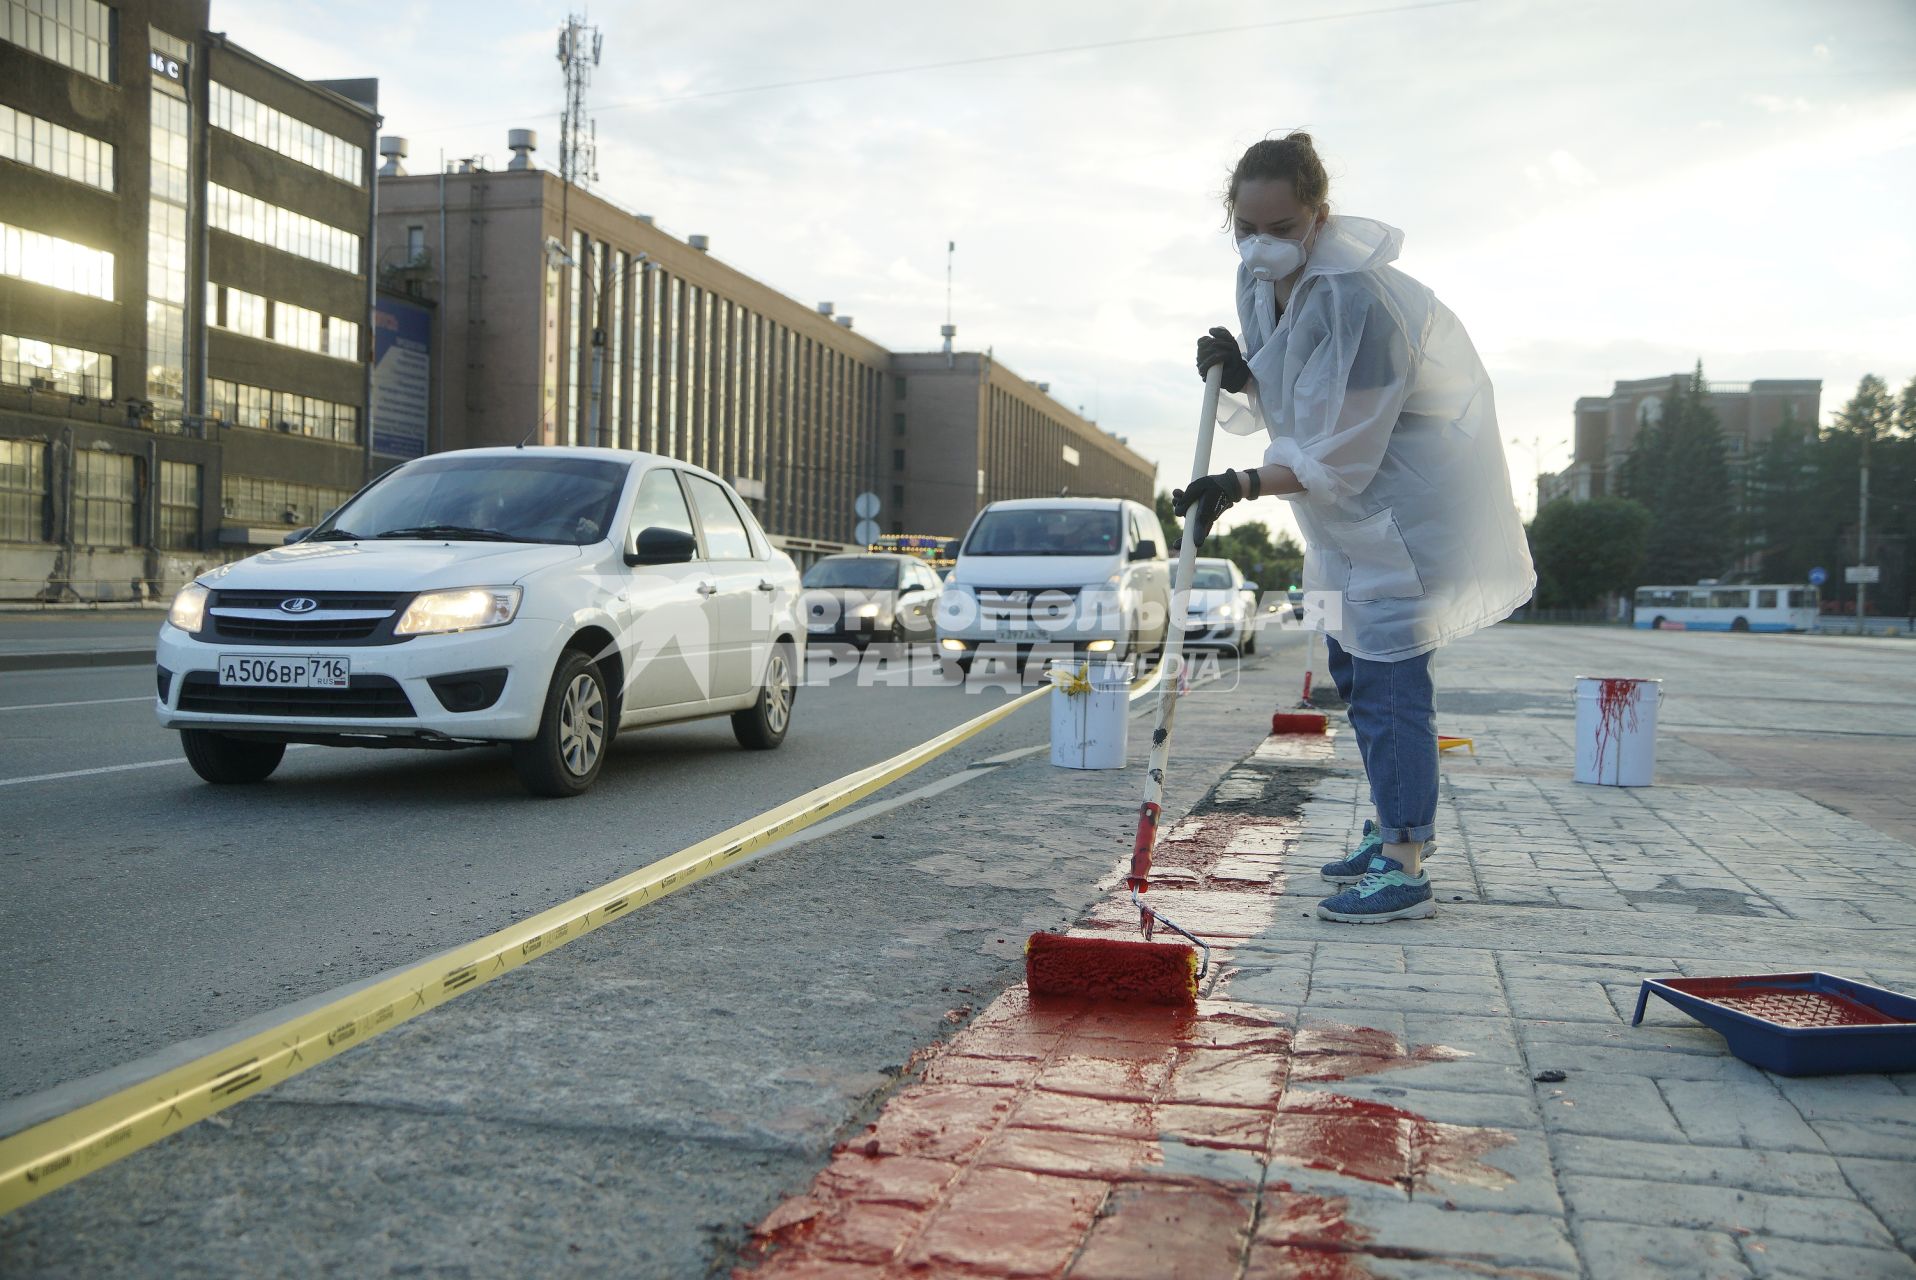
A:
(1208, 498)
(1218, 345)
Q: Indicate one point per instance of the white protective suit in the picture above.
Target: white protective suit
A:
(1374, 396)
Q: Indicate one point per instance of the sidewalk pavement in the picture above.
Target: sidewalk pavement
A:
(1457, 1096)
(37, 641)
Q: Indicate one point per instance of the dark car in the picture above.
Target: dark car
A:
(867, 597)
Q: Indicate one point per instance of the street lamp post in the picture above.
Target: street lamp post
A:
(1862, 529)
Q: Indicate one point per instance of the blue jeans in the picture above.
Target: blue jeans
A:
(1396, 727)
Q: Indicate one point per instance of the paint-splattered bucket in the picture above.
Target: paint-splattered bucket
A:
(1090, 716)
(1617, 730)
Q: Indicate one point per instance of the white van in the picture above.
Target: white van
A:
(1057, 576)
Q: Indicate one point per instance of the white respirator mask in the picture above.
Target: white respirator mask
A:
(1270, 258)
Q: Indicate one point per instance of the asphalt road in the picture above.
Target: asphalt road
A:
(161, 909)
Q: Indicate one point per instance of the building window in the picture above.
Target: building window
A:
(245, 406)
(898, 424)
(286, 323)
(615, 434)
(169, 168)
(898, 497)
(180, 506)
(415, 246)
(59, 264)
(23, 491)
(104, 499)
(310, 145)
(55, 148)
(254, 219)
(898, 389)
(74, 33)
(48, 366)
(897, 459)
(257, 500)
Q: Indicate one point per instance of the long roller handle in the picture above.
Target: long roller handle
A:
(1172, 663)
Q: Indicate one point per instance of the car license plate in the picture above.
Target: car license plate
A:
(1029, 635)
(286, 671)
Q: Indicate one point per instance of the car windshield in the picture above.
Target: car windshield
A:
(515, 498)
(854, 571)
(1044, 531)
(1211, 579)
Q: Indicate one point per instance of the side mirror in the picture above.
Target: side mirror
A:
(1251, 587)
(910, 587)
(1147, 550)
(297, 535)
(656, 545)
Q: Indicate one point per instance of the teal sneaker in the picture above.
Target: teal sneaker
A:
(1352, 869)
(1358, 865)
(1385, 893)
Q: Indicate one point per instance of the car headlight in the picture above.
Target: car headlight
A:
(467, 609)
(865, 611)
(188, 613)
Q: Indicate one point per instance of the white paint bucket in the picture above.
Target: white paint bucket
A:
(1091, 729)
(1617, 730)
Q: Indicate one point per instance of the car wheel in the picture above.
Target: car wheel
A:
(1741, 624)
(1249, 646)
(220, 759)
(762, 726)
(1658, 624)
(565, 758)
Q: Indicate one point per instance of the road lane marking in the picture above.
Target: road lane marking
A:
(114, 768)
(87, 702)
(87, 773)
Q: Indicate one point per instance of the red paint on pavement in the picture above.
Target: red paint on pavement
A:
(1038, 1142)
(1306, 1237)
(1333, 1052)
(1359, 1138)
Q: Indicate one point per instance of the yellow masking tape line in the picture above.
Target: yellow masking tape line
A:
(66, 1148)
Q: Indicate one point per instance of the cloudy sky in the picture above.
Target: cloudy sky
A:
(1601, 189)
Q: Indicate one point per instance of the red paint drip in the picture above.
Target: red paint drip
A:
(1377, 1143)
(1616, 698)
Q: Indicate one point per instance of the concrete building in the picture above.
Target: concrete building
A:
(565, 319)
(966, 431)
(185, 252)
(1607, 426)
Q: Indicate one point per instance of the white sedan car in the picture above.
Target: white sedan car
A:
(543, 598)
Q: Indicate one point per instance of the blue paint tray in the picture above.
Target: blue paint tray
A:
(1798, 1024)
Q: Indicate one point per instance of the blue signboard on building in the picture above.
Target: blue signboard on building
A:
(402, 377)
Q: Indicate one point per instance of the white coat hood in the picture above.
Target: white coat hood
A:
(1371, 392)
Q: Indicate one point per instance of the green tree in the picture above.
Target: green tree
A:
(1906, 410)
(1677, 470)
(1790, 524)
(1585, 551)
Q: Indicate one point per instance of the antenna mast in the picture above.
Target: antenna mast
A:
(949, 330)
(579, 47)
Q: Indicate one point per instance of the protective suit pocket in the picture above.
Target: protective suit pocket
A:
(1381, 567)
